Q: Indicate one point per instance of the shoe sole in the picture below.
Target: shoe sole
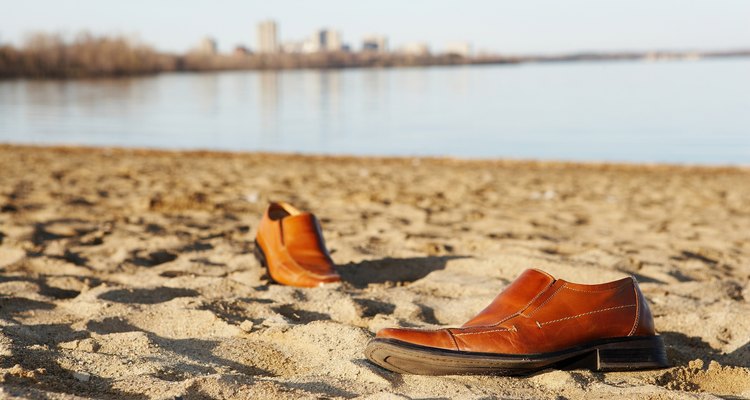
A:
(261, 257)
(615, 354)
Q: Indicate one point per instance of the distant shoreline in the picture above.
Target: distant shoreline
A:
(82, 149)
(90, 57)
(344, 60)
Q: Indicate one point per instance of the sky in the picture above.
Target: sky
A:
(514, 27)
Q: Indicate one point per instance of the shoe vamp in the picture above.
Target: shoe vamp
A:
(313, 261)
(301, 233)
(513, 299)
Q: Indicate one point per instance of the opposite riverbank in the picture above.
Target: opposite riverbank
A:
(129, 273)
(87, 56)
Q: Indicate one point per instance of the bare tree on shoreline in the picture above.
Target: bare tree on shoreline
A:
(50, 56)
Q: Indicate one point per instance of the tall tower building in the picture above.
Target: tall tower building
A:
(207, 46)
(325, 40)
(333, 41)
(268, 37)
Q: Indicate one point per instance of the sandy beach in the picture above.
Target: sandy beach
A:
(129, 274)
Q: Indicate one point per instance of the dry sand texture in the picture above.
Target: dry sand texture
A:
(129, 274)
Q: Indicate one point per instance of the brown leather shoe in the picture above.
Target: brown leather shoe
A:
(537, 322)
(290, 244)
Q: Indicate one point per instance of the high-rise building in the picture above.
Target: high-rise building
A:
(324, 40)
(207, 46)
(334, 41)
(268, 37)
(375, 44)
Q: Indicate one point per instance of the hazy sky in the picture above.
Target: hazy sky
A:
(520, 26)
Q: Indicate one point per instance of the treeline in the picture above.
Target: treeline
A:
(51, 56)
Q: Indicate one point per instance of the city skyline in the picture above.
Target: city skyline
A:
(270, 41)
(538, 27)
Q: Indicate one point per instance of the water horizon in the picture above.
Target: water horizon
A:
(676, 112)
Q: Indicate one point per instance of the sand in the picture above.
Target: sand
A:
(129, 274)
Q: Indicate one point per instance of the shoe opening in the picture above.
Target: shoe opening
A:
(277, 211)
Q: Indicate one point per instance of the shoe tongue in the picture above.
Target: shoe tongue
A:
(301, 229)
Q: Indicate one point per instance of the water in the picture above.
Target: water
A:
(683, 112)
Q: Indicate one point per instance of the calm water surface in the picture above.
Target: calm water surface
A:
(685, 112)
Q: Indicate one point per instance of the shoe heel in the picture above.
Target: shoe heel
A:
(632, 354)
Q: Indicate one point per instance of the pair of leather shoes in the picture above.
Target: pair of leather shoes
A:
(537, 322)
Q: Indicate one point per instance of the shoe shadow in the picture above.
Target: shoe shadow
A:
(396, 270)
(739, 357)
(681, 349)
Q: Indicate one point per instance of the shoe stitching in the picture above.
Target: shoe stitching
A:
(637, 308)
(540, 324)
(482, 332)
(546, 301)
(520, 312)
(537, 296)
(596, 291)
(455, 343)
